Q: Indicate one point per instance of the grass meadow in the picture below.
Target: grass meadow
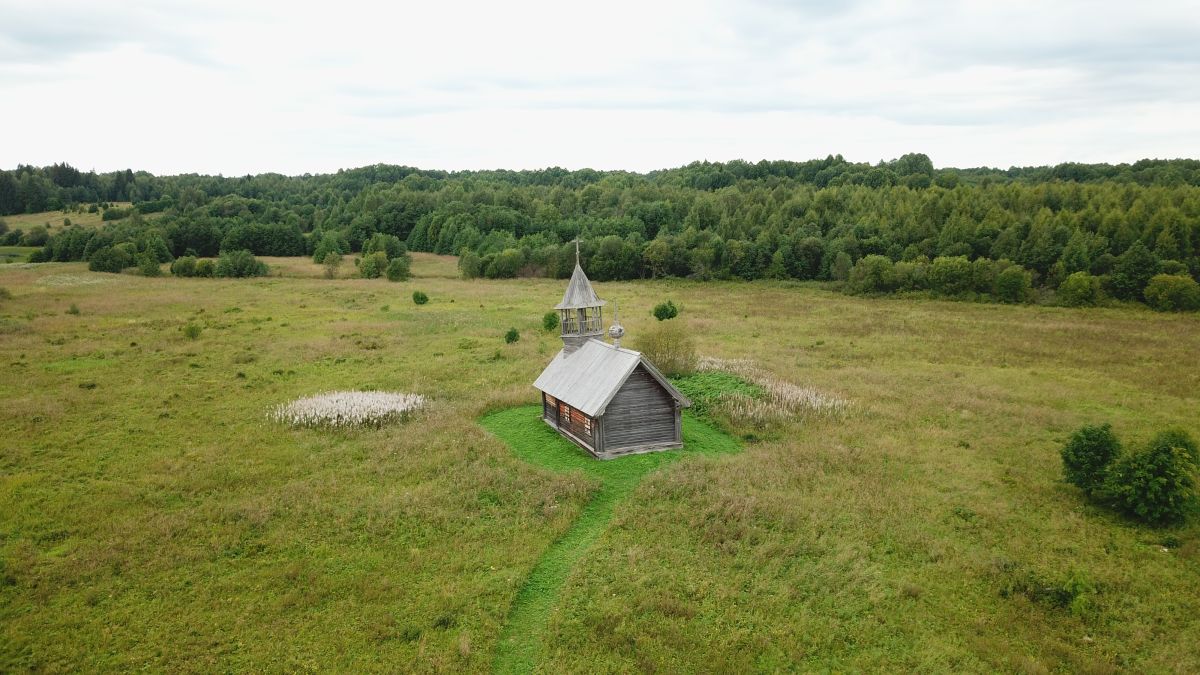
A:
(153, 517)
(17, 254)
(53, 220)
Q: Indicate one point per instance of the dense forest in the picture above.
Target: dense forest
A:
(1080, 232)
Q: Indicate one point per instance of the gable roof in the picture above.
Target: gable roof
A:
(579, 292)
(589, 377)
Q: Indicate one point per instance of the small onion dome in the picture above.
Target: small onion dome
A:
(616, 331)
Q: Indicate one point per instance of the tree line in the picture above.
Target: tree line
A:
(820, 219)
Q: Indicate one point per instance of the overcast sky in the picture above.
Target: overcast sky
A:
(248, 87)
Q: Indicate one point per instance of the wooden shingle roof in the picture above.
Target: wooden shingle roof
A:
(589, 377)
(579, 292)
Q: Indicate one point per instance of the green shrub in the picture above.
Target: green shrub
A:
(1079, 290)
(550, 321)
(329, 243)
(669, 346)
(37, 235)
(239, 264)
(839, 268)
(73, 310)
(470, 265)
(205, 268)
(1173, 293)
(506, 265)
(420, 298)
(1132, 271)
(184, 266)
(909, 275)
(398, 269)
(148, 265)
(1178, 438)
(111, 259)
(512, 336)
(373, 265)
(1172, 267)
(191, 331)
(872, 274)
(1087, 456)
(5, 294)
(950, 275)
(332, 260)
(665, 310)
(1013, 285)
(156, 246)
(983, 274)
(389, 244)
(1154, 485)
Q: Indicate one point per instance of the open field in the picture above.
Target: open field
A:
(10, 254)
(152, 517)
(53, 220)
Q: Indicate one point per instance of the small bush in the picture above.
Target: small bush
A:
(239, 264)
(37, 235)
(872, 274)
(184, 266)
(5, 294)
(512, 336)
(73, 310)
(669, 347)
(148, 265)
(331, 260)
(373, 265)
(205, 268)
(1013, 285)
(550, 321)
(1173, 293)
(111, 259)
(388, 244)
(191, 331)
(470, 265)
(398, 268)
(950, 275)
(1079, 290)
(1178, 438)
(1087, 456)
(1154, 485)
(329, 243)
(420, 298)
(665, 310)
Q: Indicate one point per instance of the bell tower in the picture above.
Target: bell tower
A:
(579, 313)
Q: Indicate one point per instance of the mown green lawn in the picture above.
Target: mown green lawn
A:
(151, 517)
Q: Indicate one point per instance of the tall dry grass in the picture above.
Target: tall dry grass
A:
(780, 401)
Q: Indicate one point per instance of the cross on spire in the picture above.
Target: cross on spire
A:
(576, 250)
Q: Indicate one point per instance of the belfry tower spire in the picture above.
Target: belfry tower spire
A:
(580, 314)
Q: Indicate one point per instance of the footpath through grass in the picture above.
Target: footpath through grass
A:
(522, 639)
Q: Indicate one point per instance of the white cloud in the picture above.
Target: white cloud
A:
(235, 87)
